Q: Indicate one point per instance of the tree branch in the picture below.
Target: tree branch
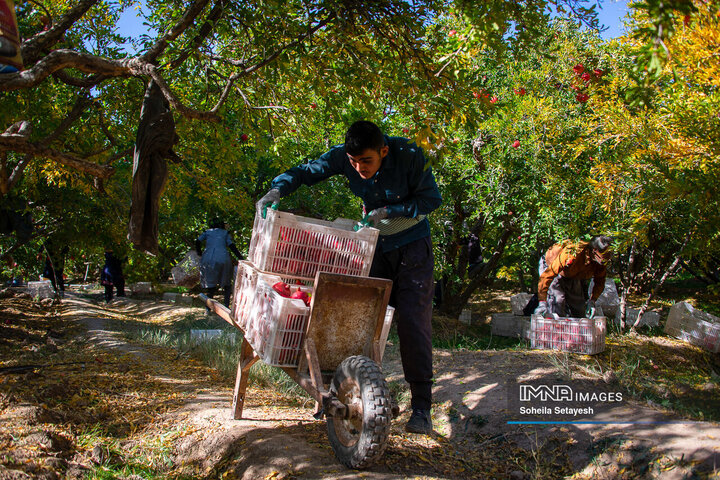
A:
(269, 58)
(33, 47)
(20, 144)
(185, 21)
(205, 30)
(65, 58)
(82, 102)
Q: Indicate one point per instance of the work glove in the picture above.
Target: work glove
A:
(272, 197)
(373, 218)
(541, 309)
(590, 310)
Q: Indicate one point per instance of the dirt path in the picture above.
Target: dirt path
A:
(475, 399)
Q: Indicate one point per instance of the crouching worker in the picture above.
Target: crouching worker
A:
(565, 271)
(398, 189)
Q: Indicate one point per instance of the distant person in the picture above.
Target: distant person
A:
(565, 271)
(216, 265)
(54, 265)
(112, 275)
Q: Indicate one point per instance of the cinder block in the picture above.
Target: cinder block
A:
(509, 325)
(649, 318)
(170, 296)
(518, 302)
(184, 300)
(141, 288)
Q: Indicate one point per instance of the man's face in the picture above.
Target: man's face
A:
(368, 162)
(603, 258)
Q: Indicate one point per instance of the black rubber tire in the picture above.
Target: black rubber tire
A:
(361, 440)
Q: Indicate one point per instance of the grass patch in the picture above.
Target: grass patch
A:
(221, 353)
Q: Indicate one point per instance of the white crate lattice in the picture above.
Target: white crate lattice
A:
(577, 335)
(276, 325)
(291, 245)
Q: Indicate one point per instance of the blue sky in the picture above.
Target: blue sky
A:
(611, 15)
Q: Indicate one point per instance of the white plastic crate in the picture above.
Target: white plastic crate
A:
(245, 281)
(291, 245)
(276, 325)
(694, 326)
(577, 335)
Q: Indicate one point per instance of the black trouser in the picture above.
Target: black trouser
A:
(120, 286)
(410, 267)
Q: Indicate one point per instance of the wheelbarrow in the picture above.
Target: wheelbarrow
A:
(339, 365)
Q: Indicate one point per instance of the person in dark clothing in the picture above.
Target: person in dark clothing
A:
(112, 275)
(216, 266)
(55, 265)
(398, 189)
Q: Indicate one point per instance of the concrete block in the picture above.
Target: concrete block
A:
(509, 325)
(609, 300)
(518, 302)
(141, 288)
(170, 296)
(184, 300)
(465, 317)
(649, 318)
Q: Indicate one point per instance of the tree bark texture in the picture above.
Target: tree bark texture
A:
(155, 139)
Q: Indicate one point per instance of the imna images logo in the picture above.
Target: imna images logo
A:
(564, 393)
(546, 393)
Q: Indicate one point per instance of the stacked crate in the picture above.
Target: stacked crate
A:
(292, 249)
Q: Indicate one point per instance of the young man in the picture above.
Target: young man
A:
(398, 189)
(564, 273)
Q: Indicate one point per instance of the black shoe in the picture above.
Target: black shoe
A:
(420, 422)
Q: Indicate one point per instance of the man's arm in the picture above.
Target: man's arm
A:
(329, 164)
(549, 275)
(598, 283)
(424, 195)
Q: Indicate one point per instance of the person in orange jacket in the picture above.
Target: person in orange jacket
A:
(565, 271)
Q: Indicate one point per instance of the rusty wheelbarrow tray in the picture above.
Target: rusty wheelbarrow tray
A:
(343, 346)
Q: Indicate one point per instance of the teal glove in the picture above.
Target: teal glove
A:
(271, 198)
(372, 218)
(590, 310)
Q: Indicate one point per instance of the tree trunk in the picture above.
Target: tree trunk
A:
(627, 282)
(669, 272)
(456, 297)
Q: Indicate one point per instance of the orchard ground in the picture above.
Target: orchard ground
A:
(81, 396)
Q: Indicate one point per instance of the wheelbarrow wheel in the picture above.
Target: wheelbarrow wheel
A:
(360, 438)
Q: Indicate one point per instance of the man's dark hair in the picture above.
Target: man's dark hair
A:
(363, 135)
(600, 242)
(216, 223)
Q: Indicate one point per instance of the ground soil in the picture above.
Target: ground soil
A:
(155, 396)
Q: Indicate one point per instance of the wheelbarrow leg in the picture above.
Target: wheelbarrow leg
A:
(247, 359)
(315, 374)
